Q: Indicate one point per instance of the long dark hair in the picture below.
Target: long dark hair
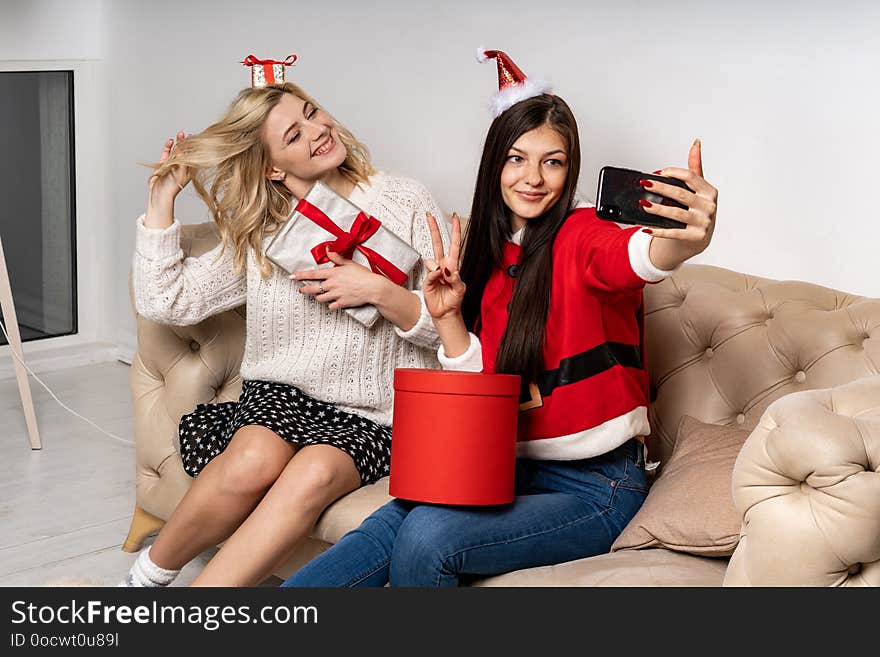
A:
(522, 347)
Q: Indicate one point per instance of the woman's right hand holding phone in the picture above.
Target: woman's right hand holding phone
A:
(444, 290)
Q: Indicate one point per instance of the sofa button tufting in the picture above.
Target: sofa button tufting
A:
(800, 377)
(194, 346)
(709, 352)
(740, 419)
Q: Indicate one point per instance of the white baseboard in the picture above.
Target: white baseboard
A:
(41, 358)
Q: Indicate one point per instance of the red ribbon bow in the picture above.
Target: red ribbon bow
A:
(251, 60)
(362, 228)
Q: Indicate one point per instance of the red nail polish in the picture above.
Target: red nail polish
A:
(644, 203)
(648, 230)
(659, 171)
(646, 183)
(446, 271)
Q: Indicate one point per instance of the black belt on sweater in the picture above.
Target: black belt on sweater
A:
(586, 364)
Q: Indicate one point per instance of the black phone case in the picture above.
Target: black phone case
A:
(617, 198)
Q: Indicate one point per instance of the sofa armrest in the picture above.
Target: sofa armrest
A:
(807, 482)
(174, 369)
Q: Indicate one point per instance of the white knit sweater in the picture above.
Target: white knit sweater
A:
(290, 337)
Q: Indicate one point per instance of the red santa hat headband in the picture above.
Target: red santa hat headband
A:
(513, 85)
(267, 71)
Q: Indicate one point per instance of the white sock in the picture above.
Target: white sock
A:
(145, 573)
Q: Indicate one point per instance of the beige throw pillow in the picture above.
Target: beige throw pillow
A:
(689, 507)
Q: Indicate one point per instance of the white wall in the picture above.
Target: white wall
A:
(784, 99)
(51, 29)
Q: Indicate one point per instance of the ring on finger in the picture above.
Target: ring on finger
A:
(321, 288)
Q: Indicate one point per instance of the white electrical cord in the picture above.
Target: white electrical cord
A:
(63, 405)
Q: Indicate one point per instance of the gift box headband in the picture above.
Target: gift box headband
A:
(267, 71)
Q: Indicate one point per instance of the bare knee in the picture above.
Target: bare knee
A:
(254, 459)
(312, 482)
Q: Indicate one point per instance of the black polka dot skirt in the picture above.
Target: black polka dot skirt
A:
(295, 417)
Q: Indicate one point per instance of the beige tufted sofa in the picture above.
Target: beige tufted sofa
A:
(796, 363)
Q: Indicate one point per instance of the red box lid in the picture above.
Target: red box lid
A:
(456, 383)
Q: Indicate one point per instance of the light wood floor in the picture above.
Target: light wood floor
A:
(65, 510)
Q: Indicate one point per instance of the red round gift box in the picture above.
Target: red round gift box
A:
(454, 436)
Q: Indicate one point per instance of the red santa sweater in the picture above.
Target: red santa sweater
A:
(594, 390)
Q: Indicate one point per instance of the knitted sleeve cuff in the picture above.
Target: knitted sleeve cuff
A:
(470, 361)
(423, 333)
(640, 260)
(157, 243)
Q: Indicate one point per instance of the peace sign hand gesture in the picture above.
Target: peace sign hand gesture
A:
(443, 288)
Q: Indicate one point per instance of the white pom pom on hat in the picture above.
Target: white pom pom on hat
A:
(513, 85)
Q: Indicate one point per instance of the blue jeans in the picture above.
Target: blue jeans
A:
(563, 510)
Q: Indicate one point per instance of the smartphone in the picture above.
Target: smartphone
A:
(617, 198)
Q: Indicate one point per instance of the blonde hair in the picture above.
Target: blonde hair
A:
(229, 161)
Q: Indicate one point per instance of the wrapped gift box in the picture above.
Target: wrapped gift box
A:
(267, 71)
(454, 436)
(323, 218)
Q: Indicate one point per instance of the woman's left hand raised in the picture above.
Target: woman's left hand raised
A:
(702, 204)
(345, 285)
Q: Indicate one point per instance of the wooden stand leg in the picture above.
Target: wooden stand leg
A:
(11, 323)
(142, 525)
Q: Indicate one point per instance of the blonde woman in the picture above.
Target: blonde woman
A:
(313, 420)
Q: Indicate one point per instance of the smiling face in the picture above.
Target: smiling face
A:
(303, 142)
(534, 174)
